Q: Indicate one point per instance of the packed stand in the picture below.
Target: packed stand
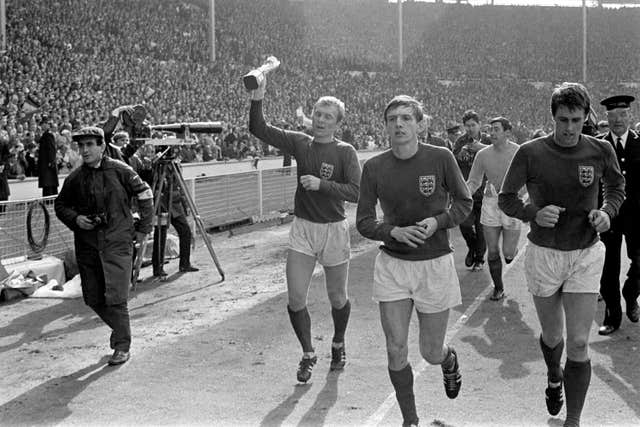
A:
(497, 60)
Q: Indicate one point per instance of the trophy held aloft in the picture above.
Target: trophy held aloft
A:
(253, 78)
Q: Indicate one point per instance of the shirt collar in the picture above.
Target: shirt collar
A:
(623, 140)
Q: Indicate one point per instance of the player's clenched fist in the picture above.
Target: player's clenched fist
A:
(599, 220)
(549, 216)
(310, 182)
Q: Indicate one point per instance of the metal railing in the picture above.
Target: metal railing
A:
(221, 200)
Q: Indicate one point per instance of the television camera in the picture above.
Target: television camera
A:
(166, 171)
(141, 132)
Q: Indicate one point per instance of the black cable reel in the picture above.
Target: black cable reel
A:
(38, 218)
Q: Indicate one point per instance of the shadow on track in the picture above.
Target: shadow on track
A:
(48, 403)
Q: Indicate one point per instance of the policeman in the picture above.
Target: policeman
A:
(95, 203)
(627, 146)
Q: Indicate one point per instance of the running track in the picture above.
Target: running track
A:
(241, 371)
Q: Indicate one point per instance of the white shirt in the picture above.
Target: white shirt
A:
(623, 138)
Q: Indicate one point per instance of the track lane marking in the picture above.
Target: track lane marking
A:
(376, 418)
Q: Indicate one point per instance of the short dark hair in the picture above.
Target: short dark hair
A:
(470, 115)
(405, 101)
(574, 96)
(506, 124)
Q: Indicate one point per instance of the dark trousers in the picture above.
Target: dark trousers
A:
(49, 190)
(610, 279)
(117, 318)
(109, 304)
(160, 238)
(471, 230)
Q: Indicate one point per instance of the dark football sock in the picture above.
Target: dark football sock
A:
(301, 322)
(577, 376)
(495, 269)
(552, 357)
(340, 320)
(402, 381)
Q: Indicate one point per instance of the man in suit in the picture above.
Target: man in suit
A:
(47, 161)
(465, 150)
(627, 146)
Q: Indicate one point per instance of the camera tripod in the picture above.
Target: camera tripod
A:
(166, 168)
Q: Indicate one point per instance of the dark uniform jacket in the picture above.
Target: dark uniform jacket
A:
(176, 195)
(47, 162)
(465, 152)
(4, 161)
(629, 161)
(107, 189)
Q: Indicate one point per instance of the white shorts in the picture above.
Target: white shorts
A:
(432, 284)
(578, 271)
(492, 216)
(329, 243)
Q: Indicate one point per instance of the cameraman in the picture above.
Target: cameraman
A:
(95, 203)
(131, 119)
(173, 205)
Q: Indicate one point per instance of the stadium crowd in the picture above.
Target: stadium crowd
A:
(73, 61)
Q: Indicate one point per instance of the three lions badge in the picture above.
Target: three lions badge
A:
(427, 184)
(326, 170)
(586, 175)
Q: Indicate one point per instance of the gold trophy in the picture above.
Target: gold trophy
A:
(254, 77)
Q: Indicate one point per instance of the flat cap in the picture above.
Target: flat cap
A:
(88, 132)
(617, 101)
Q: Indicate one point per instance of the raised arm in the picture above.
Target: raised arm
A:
(267, 133)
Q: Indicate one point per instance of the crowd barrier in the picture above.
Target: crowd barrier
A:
(221, 200)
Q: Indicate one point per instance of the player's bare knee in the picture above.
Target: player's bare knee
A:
(297, 303)
(397, 354)
(337, 298)
(493, 253)
(577, 348)
(432, 356)
(493, 256)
